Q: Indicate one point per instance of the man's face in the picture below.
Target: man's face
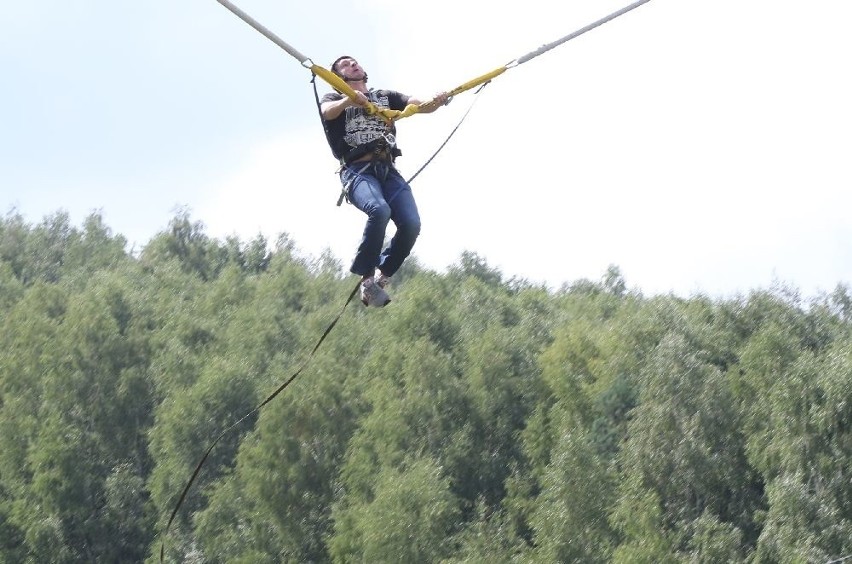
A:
(350, 69)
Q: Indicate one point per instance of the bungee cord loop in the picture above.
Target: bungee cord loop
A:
(327, 75)
(392, 115)
(548, 46)
(487, 77)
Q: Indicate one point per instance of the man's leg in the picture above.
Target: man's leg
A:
(404, 214)
(365, 194)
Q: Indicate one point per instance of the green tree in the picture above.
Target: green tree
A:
(409, 519)
(185, 427)
(95, 249)
(76, 401)
(36, 253)
(11, 289)
(577, 490)
(186, 243)
(496, 351)
(639, 518)
(278, 501)
(488, 537)
(685, 448)
(419, 408)
(806, 460)
(472, 265)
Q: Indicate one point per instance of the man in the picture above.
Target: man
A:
(366, 147)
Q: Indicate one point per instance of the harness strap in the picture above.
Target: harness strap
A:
(344, 192)
(380, 148)
(319, 111)
(453, 132)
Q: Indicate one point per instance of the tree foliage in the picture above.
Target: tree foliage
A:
(476, 419)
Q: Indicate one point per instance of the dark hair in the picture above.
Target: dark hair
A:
(337, 60)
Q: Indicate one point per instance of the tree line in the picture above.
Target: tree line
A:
(476, 419)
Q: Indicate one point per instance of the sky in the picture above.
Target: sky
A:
(702, 147)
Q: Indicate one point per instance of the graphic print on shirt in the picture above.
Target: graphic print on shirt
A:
(361, 127)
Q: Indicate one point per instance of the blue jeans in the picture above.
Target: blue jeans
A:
(380, 192)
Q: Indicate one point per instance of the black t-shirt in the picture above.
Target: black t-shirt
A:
(354, 132)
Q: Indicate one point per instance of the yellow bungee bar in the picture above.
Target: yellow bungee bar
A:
(338, 83)
(410, 110)
(392, 115)
(328, 76)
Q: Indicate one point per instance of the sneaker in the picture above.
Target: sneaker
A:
(382, 280)
(372, 294)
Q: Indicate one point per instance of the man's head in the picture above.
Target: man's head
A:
(347, 68)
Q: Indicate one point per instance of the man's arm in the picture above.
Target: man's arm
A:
(436, 102)
(332, 110)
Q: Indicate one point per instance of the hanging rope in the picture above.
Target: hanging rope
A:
(269, 398)
(450, 136)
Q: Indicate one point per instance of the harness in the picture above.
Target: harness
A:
(384, 152)
(383, 148)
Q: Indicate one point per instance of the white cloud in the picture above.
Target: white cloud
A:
(285, 184)
(700, 146)
(694, 164)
